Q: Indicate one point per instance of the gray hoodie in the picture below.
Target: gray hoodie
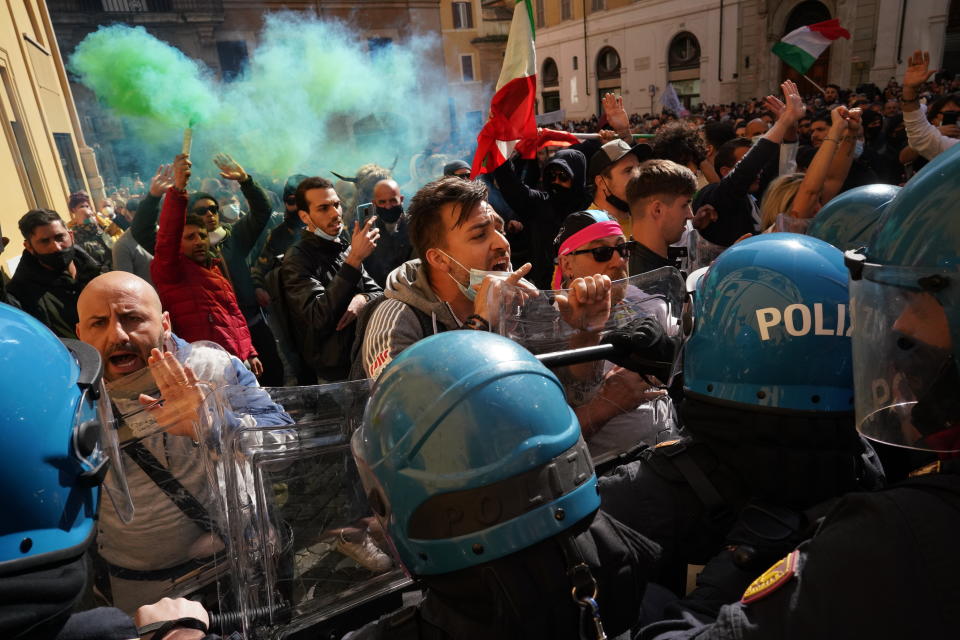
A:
(395, 323)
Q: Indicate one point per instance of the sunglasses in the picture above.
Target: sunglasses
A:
(203, 210)
(604, 254)
(558, 176)
(290, 199)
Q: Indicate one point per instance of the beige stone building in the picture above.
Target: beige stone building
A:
(45, 157)
(718, 51)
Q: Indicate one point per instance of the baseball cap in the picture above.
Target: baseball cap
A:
(613, 151)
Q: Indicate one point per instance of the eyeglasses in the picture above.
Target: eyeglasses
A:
(203, 210)
(604, 254)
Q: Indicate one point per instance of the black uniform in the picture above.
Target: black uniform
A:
(527, 595)
(882, 565)
(686, 496)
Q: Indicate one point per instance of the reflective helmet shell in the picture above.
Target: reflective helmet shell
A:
(470, 419)
(849, 220)
(771, 327)
(48, 513)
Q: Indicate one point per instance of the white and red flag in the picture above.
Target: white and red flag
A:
(513, 108)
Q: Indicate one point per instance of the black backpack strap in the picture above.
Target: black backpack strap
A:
(171, 487)
(679, 456)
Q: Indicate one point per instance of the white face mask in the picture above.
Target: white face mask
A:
(476, 278)
(233, 211)
(326, 236)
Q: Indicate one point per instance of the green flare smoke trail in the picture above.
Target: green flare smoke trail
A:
(313, 97)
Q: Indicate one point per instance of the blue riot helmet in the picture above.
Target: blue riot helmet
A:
(850, 219)
(60, 438)
(771, 327)
(905, 293)
(469, 452)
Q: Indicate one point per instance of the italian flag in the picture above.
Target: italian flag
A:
(512, 110)
(801, 48)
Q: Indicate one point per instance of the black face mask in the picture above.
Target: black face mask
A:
(390, 215)
(58, 260)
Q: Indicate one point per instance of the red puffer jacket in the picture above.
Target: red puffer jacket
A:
(200, 300)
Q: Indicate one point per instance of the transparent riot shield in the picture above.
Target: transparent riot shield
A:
(175, 544)
(301, 541)
(790, 224)
(700, 251)
(618, 408)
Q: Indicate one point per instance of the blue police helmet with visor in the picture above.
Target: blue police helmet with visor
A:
(57, 424)
(469, 452)
(771, 327)
(905, 298)
(850, 219)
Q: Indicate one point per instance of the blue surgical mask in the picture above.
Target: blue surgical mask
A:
(326, 236)
(476, 278)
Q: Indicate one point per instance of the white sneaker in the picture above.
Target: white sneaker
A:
(365, 553)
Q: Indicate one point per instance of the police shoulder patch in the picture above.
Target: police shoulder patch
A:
(772, 579)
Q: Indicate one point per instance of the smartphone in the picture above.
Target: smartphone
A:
(949, 117)
(364, 211)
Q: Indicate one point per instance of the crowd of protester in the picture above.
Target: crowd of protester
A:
(307, 279)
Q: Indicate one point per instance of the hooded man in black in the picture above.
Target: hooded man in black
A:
(543, 211)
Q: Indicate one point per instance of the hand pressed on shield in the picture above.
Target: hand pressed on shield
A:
(495, 290)
(180, 394)
(586, 305)
(168, 609)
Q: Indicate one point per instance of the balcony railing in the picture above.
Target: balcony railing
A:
(132, 6)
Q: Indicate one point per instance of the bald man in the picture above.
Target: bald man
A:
(121, 316)
(393, 247)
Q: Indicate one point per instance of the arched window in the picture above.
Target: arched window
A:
(684, 52)
(805, 13)
(608, 64)
(551, 75)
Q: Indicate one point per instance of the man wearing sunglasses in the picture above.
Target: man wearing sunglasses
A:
(591, 244)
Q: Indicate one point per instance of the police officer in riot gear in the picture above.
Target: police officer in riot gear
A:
(883, 564)
(767, 410)
(849, 220)
(475, 466)
(63, 455)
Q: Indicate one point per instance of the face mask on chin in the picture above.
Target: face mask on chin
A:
(615, 201)
(58, 260)
(469, 291)
(320, 233)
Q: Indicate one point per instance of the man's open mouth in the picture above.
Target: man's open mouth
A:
(125, 362)
(501, 264)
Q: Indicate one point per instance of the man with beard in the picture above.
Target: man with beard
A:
(659, 193)
(323, 281)
(121, 316)
(607, 404)
(542, 211)
(464, 260)
(393, 246)
(52, 272)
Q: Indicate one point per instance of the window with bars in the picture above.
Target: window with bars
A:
(466, 68)
(598, 5)
(540, 20)
(566, 10)
(462, 15)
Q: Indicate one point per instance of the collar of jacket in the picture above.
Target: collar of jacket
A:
(36, 272)
(315, 242)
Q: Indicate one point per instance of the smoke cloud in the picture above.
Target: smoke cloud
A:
(313, 97)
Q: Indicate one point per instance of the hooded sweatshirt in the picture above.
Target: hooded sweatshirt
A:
(544, 211)
(399, 321)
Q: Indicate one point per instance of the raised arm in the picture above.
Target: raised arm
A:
(165, 267)
(921, 134)
(808, 195)
(248, 229)
(144, 224)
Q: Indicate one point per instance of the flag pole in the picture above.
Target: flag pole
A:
(810, 80)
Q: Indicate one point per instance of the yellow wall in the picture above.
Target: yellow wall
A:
(32, 93)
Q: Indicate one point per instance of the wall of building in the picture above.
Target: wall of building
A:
(37, 113)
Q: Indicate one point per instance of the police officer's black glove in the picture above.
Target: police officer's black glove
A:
(643, 347)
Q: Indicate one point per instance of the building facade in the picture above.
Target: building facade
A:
(718, 51)
(45, 157)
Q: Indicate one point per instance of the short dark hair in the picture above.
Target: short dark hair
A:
(727, 153)
(661, 178)
(834, 86)
(193, 220)
(937, 106)
(822, 116)
(37, 218)
(677, 142)
(77, 198)
(426, 223)
(316, 182)
(717, 132)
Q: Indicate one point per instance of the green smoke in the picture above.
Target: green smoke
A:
(139, 76)
(313, 97)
